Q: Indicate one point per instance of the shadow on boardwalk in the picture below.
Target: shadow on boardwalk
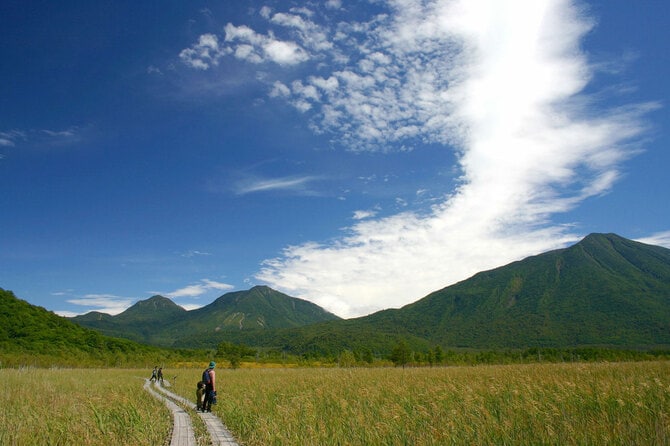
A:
(182, 434)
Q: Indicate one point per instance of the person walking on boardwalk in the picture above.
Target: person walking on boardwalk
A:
(209, 378)
(154, 374)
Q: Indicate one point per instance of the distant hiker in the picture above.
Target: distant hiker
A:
(209, 378)
(200, 396)
(154, 374)
(159, 376)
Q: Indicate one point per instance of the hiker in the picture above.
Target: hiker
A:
(159, 377)
(200, 396)
(154, 374)
(209, 378)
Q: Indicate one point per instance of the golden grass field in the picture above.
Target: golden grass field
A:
(79, 407)
(561, 404)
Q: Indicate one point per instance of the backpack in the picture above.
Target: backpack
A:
(206, 378)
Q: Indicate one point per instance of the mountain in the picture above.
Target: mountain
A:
(146, 321)
(260, 307)
(603, 291)
(33, 335)
(160, 321)
(157, 309)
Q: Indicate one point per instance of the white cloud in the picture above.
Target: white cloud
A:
(334, 4)
(9, 138)
(41, 137)
(253, 47)
(502, 83)
(112, 304)
(284, 53)
(265, 12)
(195, 253)
(659, 239)
(198, 289)
(105, 303)
(190, 307)
(290, 183)
(362, 215)
(205, 53)
(279, 90)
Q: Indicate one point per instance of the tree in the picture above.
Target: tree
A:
(347, 359)
(366, 355)
(438, 354)
(234, 352)
(401, 354)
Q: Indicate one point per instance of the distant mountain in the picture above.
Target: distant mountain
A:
(160, 321)
(28, 333)
(146, 321)
(260, 307)
(603, 291)
(157, 309)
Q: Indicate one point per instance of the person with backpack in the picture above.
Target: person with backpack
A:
(154, 374)
(209, 379)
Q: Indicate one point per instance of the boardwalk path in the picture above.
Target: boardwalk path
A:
(182, 435)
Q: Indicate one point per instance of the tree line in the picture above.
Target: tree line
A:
(402, 355)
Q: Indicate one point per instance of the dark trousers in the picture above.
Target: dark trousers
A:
(209, 398)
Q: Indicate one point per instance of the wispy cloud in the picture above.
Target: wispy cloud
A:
(39, 138)
(295, 184)
(660, 239)
(363, 214)
(105, 303)
(113, 304)
(502, 83)
(11, 137)
(195, 253)
(198, 289)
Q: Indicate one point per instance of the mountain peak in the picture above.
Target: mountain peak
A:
(155, 308)
(159, 320)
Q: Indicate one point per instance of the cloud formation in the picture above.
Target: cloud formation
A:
(295, 184)
(500, 83)
(40, 138)
(113, 304)
(198, 289)
(659, 239)
(104, 303)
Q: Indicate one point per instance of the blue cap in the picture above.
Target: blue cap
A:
(212, 365)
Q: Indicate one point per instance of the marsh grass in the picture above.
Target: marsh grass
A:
(79, 406)
(614, 403)
(552, 404)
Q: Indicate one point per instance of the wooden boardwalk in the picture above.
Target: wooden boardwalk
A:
(182, 434)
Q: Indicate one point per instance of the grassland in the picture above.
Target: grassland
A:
(79, 407)
(562, 404)
(603, 403)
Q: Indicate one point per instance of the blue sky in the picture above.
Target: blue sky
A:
(355, 154)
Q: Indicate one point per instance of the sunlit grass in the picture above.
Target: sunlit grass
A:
(618, 403)
(615, 403)
(79, 406)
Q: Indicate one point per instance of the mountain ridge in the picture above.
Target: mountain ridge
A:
(589, 287)
(604, 290)
(160, 321)
(32, 335)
